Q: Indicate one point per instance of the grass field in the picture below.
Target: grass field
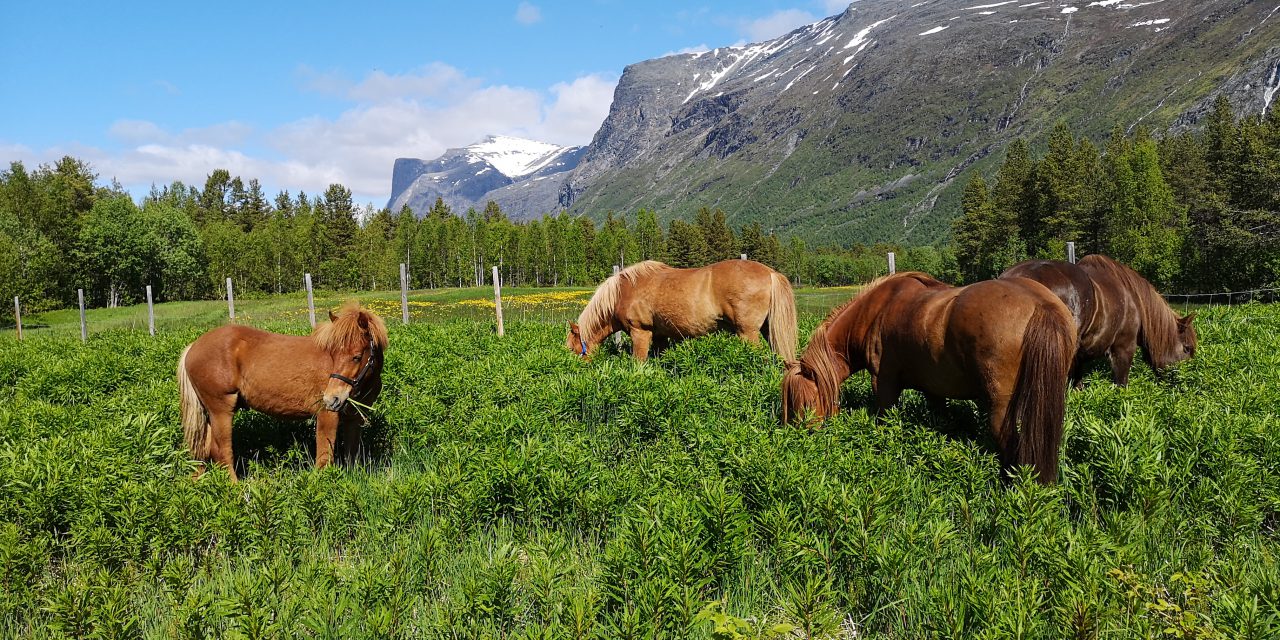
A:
(516, 491)
(520, 304)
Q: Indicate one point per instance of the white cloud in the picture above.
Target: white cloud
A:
(417, 114)
(577, 111)
(775, 24)
(833, 7)
(698, 48)
(528, 14)
(137, 132)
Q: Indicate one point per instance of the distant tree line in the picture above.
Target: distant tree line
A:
(60, 230)
(1193, 212)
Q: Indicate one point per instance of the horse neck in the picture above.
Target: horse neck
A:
(597, 334)
(1157, 323)
(1158, 333)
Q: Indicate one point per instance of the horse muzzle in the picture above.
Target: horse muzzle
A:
(334, 402)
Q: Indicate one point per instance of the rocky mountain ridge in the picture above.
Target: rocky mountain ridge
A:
(865, 126)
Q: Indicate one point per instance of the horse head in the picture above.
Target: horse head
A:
(355, 339)
(1187, 336)
(802, 401)
(574, 341)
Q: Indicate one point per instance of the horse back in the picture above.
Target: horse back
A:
(279, 374)
(693, 301)
(975, 334)
(1069, 282)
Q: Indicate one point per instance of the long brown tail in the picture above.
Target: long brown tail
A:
(195, 417)
(1040, 397)
(782, 317)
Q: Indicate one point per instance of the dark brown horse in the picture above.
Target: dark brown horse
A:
(292, 377)
(1005, 343)
(652, 300)
(1116, 311)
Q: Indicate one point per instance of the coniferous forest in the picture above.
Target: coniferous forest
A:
(1197, 211)
(1193, 212)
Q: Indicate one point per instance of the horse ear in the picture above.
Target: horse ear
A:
(573, 326)
(363, 320)
(333, 317)
(1188, 318)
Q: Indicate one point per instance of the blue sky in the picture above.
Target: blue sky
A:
(303, 95)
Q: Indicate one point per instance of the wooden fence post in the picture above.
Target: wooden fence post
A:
(84, 328)
(497, 299)
(893, 267)
(17, 315)
(311, 301)
(231, 301)
(1071, 252)
(151, 313)
(404, 293)
(617, 337)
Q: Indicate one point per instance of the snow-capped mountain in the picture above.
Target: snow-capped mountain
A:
(865, 126)
(505, 169)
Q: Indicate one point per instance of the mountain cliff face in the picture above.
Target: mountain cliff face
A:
(865, 126)
(523, 176)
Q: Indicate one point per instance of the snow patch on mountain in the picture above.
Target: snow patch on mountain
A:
(514, 157)
(1269, 93)
(935, 30)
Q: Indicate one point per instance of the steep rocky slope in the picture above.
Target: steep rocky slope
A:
(864, 126)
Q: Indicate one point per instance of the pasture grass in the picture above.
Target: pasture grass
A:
(514, 490)
(520, 304)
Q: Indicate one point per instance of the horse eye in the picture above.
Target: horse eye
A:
(355, 358)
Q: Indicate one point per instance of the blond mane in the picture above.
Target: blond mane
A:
(604, 301)
(346, 331)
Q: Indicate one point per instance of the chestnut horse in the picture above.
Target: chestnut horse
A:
(1005, 343)
(291, 377)
(1116, 311)
(650, 299)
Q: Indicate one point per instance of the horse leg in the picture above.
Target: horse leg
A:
(1121, 361)
(640, 340)
(220, 437)
(1075, 379)
(887, 391)
(937, 404)
(326, 433)
(1005, 433)
(352, 447)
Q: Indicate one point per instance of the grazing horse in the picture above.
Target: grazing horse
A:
(1005, 343)
(1116, 311)
(650, 299)
(291, 377)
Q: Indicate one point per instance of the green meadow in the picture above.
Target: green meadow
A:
(514, 490)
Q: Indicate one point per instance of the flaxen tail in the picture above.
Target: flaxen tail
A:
(782, 317)
(1039, 400)
(195, 418)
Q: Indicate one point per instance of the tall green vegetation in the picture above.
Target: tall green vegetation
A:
(1193, 211)
(516, 491)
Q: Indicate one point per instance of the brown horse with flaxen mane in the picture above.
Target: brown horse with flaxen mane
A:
(1116, 311)
(1005, 343)
(291, 377)
(651, 300)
